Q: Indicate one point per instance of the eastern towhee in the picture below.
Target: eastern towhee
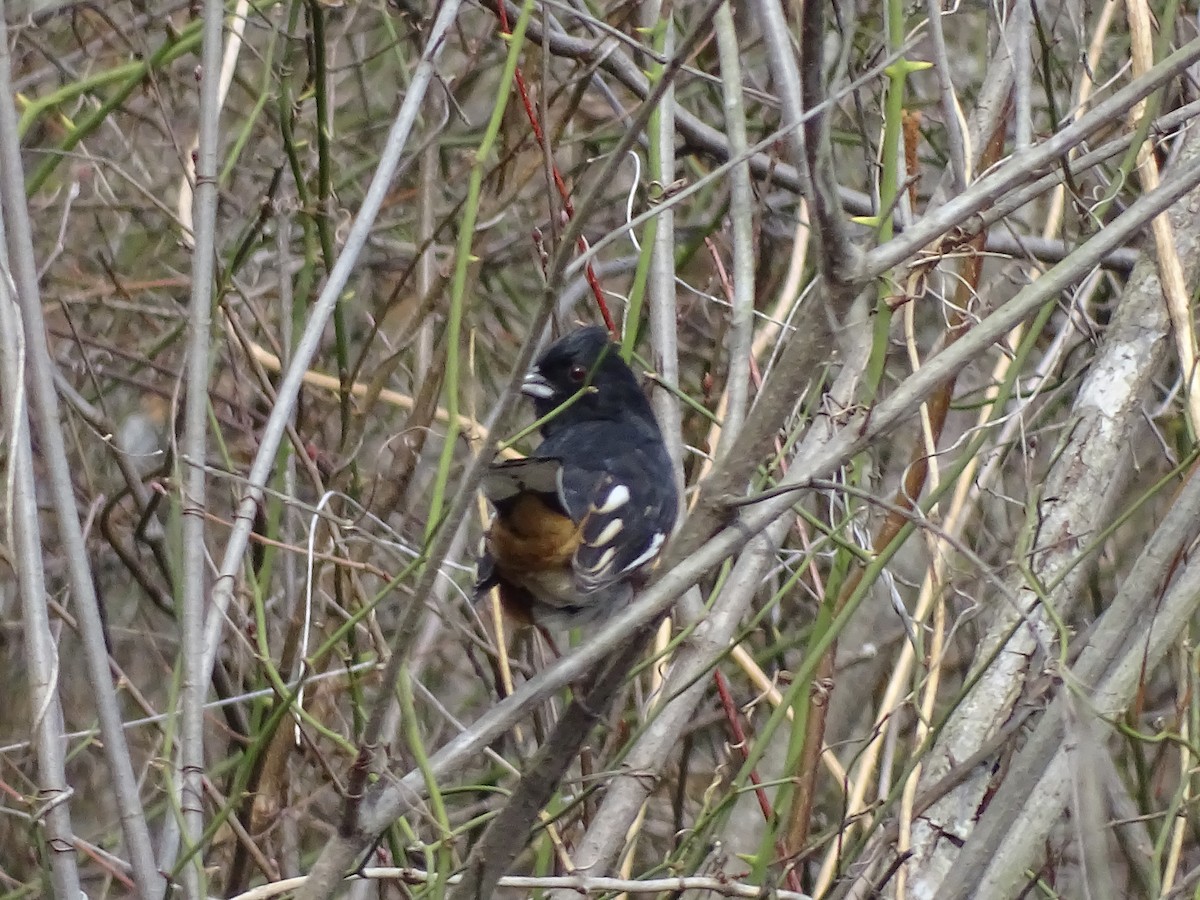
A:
(580, 522)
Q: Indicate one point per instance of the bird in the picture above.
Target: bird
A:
(581, 521)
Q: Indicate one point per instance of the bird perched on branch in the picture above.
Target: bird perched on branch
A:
(580, 522)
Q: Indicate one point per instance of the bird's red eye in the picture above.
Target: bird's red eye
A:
(578, 373)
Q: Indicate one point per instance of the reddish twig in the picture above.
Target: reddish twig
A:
(740, 744)
(739, 739)
(568, 206)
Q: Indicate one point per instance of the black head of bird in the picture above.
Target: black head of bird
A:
(584, 374)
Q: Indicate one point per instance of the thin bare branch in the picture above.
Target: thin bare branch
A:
(741, 223)
(193, 450)
(48, 427)
(24, 534)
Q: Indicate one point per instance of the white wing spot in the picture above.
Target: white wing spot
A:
(616, 498)
(611, 530)
(648, 554)
(604, 561)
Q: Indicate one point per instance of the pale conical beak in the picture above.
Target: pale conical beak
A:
(536, 385)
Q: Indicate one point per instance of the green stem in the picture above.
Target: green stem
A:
(462, 261)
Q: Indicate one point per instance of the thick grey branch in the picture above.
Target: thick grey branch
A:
(1080, 492)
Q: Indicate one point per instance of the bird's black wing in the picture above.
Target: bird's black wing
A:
(616, 479)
